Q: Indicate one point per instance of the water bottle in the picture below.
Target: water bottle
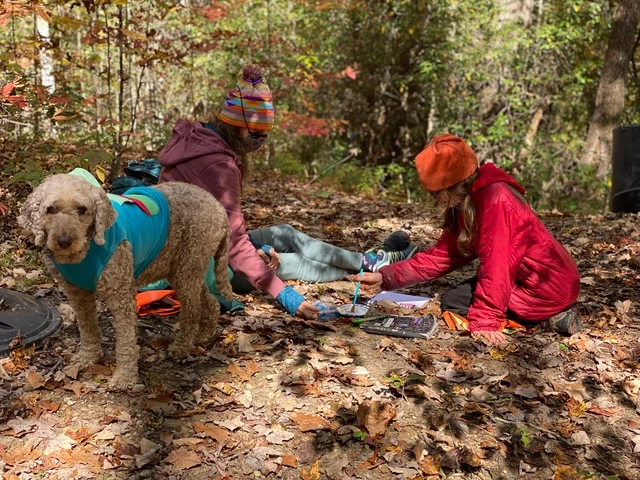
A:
(327, 312)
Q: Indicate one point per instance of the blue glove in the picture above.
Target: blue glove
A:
(290, 299)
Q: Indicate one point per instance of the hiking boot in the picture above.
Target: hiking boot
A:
(566, 322)
(395, 242)
(372, 262)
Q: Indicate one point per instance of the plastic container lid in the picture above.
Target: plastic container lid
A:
(27, 316)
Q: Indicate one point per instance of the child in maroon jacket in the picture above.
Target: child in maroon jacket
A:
(523, 270)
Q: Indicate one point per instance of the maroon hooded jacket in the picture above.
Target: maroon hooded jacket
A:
(522, 267)
(198, 155)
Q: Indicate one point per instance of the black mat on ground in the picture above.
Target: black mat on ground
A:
(24, 320)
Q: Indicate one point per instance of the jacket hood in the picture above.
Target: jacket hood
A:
(192, 140)
(488, 174)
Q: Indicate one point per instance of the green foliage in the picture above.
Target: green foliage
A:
(395, 380)
(289, 165)
(375, 78)
(32, 176)
(525, 437)
(359, 435)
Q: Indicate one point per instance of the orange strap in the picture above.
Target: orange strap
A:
(157, 302)
(458, 322)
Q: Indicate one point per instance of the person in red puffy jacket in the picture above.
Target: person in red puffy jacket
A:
(524, 272)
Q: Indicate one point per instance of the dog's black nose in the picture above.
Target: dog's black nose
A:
(64, 241)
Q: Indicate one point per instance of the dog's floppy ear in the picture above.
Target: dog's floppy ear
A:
(29, 218)
(104, 214)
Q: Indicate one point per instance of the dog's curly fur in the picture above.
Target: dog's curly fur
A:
(66, 212)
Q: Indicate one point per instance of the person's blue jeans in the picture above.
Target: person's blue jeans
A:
(302, 257)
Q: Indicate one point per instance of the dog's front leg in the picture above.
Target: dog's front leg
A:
(83, 303)
(118, 286)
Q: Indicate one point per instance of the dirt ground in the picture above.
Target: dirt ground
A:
(274, 397)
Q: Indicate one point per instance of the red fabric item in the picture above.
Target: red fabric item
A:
(137, 202)
(157, 302)
(447, 160)
(522, 267)
(197, 155)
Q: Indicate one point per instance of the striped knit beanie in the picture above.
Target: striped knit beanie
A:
(249, 104)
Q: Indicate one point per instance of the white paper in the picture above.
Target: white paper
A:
(401, 299)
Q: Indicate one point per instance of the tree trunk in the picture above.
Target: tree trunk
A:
(612, 88)
(46, 59)
(510, 10)
(46, 65)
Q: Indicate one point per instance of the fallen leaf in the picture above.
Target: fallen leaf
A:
(61, 442)
(576, 408)
(35, 380)
(75, 387)
(430, 465)
(278, 436)
(72, 371)
(241, 373)
(307, 422)
(49, 405)
(480, 394)
(220, 435)
(313, 473)
(245, 340)
(289, 461)
(188, 441)
(450, 374)
(602, 411)
(375, 416)
(231, 424)
(224, 388)
(580, 438)
(526, 391)
(183, 458)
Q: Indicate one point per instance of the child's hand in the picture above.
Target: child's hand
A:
(272, 260)
(368, 280)
(492, 338)
(307, 311)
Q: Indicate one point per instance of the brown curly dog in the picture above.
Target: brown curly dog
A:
(74, 220)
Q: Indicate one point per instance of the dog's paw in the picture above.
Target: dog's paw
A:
(208, 335)
(179, 350)
(123, 380)
(84, 358)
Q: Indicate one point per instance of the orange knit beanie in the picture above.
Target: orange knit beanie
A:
(447, 160)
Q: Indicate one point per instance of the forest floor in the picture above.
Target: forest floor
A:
(274, 397)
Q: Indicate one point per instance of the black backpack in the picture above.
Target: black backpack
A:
(139, 174)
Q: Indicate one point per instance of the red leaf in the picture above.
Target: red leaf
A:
(601, 411)
(17, 99)
(41, 92)
(62, 118)
(59, 100)
(350, 72)
(7, 89)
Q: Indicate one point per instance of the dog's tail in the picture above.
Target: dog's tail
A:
(221, 264)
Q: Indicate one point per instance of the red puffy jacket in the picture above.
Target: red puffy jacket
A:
(522, 267)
